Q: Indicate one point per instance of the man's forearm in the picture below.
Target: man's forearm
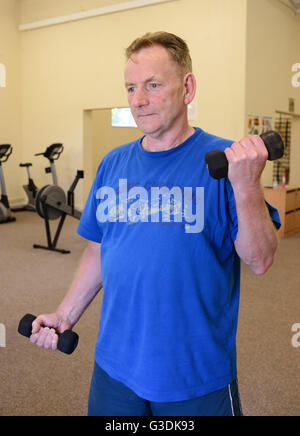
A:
(85, 287)
(256, 241)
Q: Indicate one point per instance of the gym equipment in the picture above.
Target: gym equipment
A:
(5, 212)
(217, 163)
(67, 342)
(52, 153)
(30, 188)
(51, 204)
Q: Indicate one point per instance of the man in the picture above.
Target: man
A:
(171, 239)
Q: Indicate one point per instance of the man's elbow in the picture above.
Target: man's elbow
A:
(262, 268)
(265, 263)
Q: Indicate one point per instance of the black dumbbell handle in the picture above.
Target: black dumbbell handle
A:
(67, 342)
(217, 163)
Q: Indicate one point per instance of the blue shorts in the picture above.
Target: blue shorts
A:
(109, 397)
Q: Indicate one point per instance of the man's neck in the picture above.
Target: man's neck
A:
(168, 141)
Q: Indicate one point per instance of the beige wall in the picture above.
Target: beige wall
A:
(273, 46)
(106, 137)
(10, 97)
(33, 10)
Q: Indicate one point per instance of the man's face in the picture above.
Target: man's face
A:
(155, 87)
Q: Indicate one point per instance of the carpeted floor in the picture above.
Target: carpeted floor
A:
(36, 382)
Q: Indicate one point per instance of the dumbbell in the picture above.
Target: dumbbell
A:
(217, 163)
(67, 342)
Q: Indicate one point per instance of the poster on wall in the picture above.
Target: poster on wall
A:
(259, 124)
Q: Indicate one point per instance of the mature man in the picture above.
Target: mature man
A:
(171, 239)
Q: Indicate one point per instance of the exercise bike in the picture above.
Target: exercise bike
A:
(52, 153)
(51, 203)
(5, 212)
(30, 189)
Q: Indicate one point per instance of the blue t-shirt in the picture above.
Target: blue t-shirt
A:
(170, 271)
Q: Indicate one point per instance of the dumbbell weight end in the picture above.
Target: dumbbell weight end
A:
(217, 163)
(274, 144)
(67, 342)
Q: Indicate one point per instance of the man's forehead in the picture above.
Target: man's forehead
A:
(153, 52)
(156, 59)
(156, 56)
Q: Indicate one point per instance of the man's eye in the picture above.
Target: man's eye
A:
(130, 90)
(154, 85)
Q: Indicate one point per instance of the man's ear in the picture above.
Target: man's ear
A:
(190, 87)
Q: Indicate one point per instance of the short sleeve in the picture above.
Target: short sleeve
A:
(231, 211)
(232, 214)
(88, 226)
(274, 215)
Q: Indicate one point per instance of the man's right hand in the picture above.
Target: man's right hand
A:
(44, 329)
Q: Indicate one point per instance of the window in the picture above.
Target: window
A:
(122, 117)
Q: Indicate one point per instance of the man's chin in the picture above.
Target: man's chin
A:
(152, 131)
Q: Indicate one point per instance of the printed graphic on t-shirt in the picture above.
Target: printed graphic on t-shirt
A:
(152, 204)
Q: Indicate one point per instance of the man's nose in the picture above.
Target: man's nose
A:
(140, 98)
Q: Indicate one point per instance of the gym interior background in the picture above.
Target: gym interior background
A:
(60, 76)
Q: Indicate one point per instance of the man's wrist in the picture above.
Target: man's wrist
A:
(247, 192)
(66, 316)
